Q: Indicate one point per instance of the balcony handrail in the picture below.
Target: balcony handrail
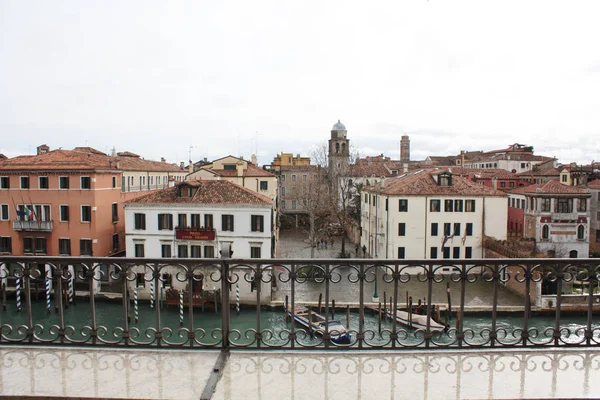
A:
(289, 276)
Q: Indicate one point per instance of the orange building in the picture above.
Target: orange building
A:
(69, 202)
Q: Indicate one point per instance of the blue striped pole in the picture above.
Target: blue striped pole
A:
(237, 298)
(135, 304)
(181, 308)
(48, 305)
(71, 286)
(152, 293)
(18, 288)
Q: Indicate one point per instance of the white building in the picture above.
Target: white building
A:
(430, 214)
(193, 219)
(557, 217)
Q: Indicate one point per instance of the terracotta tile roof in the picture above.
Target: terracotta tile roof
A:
(487, 173)
(541, 172)
(89, 150)
(209, 192)
(82, 159)
(127, 154)
(252, 170)
(422, 183)
(550, 187)
(595, 184)
(366, 170)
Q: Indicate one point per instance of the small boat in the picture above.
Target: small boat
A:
(301, 315)
(416, 321)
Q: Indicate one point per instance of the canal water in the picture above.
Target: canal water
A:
(110, 316)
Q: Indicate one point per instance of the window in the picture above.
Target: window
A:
(115, 212)
(563, 178)
(401, 253)
(264, 185)
(458, 205)
(86, 213)
(165, 250)
(227, 222)
(573, 254)
(139, 221)
(63, 182)
(367, 199)
(282, 178)
(434, 229)
(43, 182)
(456, 252)
(564, 205)
(545, 205)
(581, 205)
(85, 182)
(209, 252)
(502, 184)
(293, 204)
(140, 279)
(182, 221)
(293, 178)
(469, 205)
(64, 247)
(305, 177)
(257, 223)
(139, 250)
(208, 221)
(6, 245)
(283, 191)
(469, 229)
(4, 213)
(403, 205)
(447, 229)
(4, 182)
(446, 251)
(115, 242)
(195, 221)
(456, 229)
(401, 229)
(448, 205)
(28, 245)
(580, 232)
(433, 253)
(24, 182)
(282, 204)
(255, 250)
(182, 251)
(468, 252)
(229, 167)
(545, 232)
(196, 251)
(434, 205)
(386, 204)
(165, 222)
(114, 182)
(511, 184)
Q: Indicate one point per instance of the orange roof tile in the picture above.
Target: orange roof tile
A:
(209, 192)
(550, 187)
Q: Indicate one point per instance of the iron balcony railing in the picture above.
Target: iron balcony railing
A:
(232, 303)
(32, 226)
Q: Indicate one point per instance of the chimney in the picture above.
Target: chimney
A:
(42, 149)
(495, 183)
(205, 159)
(162, 159)
(382, 183)
(181, 165)
(462, 158)
(240, 168)
(191, 167)
(253, 159)
(405, 168)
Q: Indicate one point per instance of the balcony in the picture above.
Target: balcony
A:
(566, 217)
(32, 226)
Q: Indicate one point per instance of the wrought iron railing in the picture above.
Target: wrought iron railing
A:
(230, 303)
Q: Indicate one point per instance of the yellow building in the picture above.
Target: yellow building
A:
(288, 159)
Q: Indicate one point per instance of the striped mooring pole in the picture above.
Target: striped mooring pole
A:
(152, 293)
(135, 304)
(18, 290)
(48, 305)
(181, 308)
(71, 288)
(237, 299)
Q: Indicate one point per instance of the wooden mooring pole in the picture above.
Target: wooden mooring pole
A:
(332, 308)
(287, 309)
(379, 318)
(347, 316)
(320, 300)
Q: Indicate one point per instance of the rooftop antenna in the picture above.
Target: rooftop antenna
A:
(190, 152)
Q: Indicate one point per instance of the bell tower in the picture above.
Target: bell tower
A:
(339, 150)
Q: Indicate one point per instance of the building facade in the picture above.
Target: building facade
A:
(430, 214)
(557, 217)
(68, 202)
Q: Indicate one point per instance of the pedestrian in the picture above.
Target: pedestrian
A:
(325, 243)
(364, 250)
(318, 243)
(356, 250)
(331, 242)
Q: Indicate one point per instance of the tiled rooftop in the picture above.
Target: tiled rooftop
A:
(550, 187)
(208, 192)
(251, 170)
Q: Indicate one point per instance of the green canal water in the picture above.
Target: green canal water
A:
(110, 316)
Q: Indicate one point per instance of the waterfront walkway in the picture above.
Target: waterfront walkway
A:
(44, 372)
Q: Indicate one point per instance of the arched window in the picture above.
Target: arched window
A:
(343, 147)
(545, 232)
(337, 147)
(573, 254)
(580, 232)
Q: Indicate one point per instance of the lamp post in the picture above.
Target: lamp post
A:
(375, 294)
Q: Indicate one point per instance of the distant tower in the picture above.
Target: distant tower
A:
(404, 149)
(339, 149)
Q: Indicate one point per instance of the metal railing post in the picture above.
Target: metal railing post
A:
(225, 312)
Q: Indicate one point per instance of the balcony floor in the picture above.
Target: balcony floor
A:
(31, 372)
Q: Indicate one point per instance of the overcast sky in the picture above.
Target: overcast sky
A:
(156, 77)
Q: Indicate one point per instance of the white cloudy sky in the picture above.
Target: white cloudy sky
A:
(229, 77)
